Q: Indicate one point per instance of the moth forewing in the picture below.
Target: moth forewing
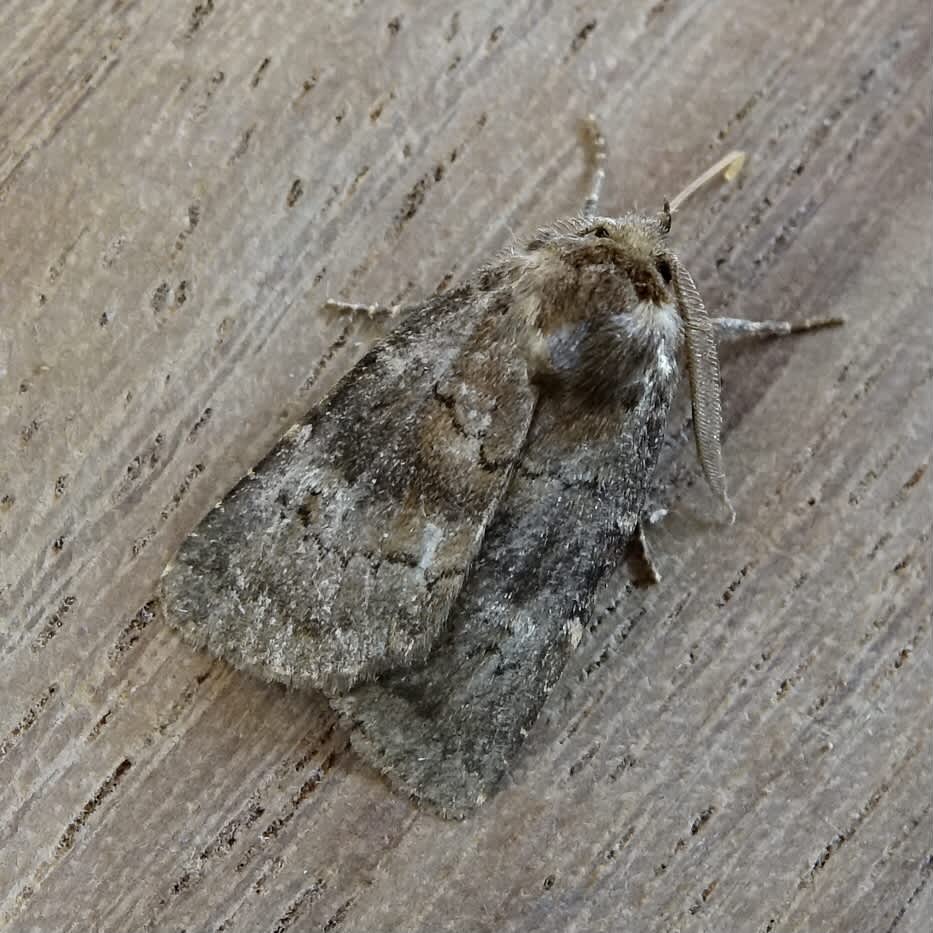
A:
(341, 553)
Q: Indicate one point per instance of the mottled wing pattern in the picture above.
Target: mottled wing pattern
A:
(448, 729)
(340, 555)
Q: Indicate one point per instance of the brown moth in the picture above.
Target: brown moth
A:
(425, 546)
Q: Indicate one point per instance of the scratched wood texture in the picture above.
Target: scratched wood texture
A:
(746, 746)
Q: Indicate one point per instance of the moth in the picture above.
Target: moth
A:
(425, 546)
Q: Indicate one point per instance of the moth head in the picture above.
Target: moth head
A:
(609, 261)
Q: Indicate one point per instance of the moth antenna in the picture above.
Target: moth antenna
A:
(598, 169)
(729, 165)
(703, 370)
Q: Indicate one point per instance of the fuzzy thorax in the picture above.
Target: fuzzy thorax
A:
(597, 304)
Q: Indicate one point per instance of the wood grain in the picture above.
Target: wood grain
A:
(745, 746)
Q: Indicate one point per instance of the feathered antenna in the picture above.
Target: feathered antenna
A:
(700, 340)
(703, 371)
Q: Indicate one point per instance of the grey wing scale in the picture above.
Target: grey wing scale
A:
(448, 729)
(341, 553)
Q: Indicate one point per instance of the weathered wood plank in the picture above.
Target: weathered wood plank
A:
(745, 746)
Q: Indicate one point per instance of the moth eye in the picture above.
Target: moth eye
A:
(664, 270)
(601, 232)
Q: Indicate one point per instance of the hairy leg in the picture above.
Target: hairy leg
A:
(639, 556)
(732, 328)
(597, 167)
(375, 311)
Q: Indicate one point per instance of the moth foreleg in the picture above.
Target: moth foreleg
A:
(597, 168)
(732, 328)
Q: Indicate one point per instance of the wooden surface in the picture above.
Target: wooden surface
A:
(746, 746)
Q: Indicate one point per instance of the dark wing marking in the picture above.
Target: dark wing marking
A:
(341, 554)
(447, 730)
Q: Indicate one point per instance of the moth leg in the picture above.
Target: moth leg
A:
(374, 312)
(597, 167)
(731, 328)
(640, 558)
